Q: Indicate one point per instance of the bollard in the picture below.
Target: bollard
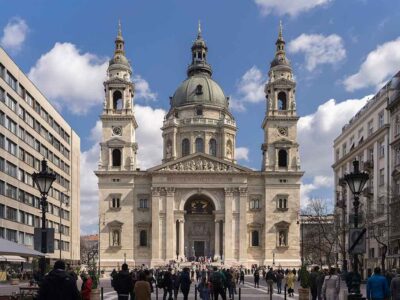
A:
(240, 293)
(284, 296)
(195, 292)
(102, 293)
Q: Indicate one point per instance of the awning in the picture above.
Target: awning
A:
(12, 258)
(10, 248)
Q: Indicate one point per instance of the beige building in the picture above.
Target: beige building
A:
(369, 138)
(30, 129)
(199, 201)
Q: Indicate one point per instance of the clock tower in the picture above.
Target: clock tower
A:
(118, 146)
(280, 147)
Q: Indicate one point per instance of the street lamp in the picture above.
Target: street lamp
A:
(43, 180)
(356, 182)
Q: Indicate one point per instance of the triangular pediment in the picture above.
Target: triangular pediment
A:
(115, 142)
(199, 162)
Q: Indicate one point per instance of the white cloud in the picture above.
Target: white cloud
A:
(242, 153)
(289, 7)
(316, 133)
(149, 154)
(14, 34)
(74, 80)
(70, 78)
(318, 49)
(250, 89)
(377, 68)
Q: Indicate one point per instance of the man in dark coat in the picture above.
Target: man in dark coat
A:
(185, 283)
(58, 284)
(256, 278)
(123, 283)
(313, 282)
(168, 284)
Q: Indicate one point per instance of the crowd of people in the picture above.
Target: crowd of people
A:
(210, 282)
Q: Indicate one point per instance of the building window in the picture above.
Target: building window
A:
(115, 202)
(381, 176)
(254, 204)
(282, 105)
(12, 214)
(199, 145)
(116, 238)
(370, 127)
(282, 158)
(397, 156)
(116, 158)
(143, 203)
(371, 252)
(396, 129)
(117, 100)
(255, 241)
(380, 119)
(213, 147)
(282, 203)
(143, 238)
(344, 150)
(12, 81)
(185, 147)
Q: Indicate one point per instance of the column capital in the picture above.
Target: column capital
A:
(229, 192)
(156, 191)
(170, 191)
(243, 191)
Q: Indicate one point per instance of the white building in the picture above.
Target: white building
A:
(199, 201)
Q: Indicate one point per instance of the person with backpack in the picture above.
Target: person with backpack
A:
(256, 278)
(57, 284)
(123, 283)
(218, 284)
(185, 283)
(270, 279)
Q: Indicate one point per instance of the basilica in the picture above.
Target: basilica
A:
(198, 201)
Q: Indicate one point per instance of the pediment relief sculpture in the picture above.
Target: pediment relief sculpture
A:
(200, 164)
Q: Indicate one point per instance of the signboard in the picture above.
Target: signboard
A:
(357, 241)
(37, 239)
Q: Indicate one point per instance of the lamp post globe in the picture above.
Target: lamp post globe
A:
(43, 180)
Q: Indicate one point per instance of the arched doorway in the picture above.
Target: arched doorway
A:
(199, 227)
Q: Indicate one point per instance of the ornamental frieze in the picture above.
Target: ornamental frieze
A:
(200, 164)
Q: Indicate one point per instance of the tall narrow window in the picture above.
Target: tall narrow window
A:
(117, 100)
(282, 158)
(282, 105)
(254, 239)
(199, 145)
(213, 147)
(116, 158)
(185, 147)
(143, 238)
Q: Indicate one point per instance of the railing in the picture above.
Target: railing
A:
(198, 121)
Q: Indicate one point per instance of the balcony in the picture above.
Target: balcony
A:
(369, 165)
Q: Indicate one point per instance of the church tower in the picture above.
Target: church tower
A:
(280, 147)
(118, 146)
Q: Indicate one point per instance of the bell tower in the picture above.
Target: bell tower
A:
(118, 146)
(280, 148)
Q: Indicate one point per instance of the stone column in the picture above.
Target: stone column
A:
(155, 226)
(182, 238)
(217, 249)
(228, 242)
(169, 224)
(174, 144)
(243, 224)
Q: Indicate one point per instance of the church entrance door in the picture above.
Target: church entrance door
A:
(199, 233)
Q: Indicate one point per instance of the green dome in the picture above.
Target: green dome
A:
(199, 89)
(119, 61)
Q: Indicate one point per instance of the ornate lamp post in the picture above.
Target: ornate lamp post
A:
(43, 180)
(356, 182)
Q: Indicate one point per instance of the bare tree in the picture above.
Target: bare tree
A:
(89, 251)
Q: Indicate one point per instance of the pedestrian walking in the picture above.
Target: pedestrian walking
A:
(290, 279)
(175, 283)
(256, 278)
(331, 286)
(142, 290)
(204, 289)
(314, 283)
(395, 286)
(123, 283)
(185, 283)
(377, 286)
(58, 285)
(86, 288)
(167, 284)
(279, 277)
(270, 278)
(241, 277)
(218, 284)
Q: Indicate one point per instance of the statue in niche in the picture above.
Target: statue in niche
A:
(229, 151)
(282, 238)
(115, 238)
(168, 149)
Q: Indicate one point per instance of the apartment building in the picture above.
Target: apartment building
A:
(31, 129)
(367, 137)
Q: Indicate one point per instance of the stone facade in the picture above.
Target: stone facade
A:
(199, 201)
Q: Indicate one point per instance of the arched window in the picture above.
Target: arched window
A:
(282, 105)
(116, 158)
(116, 238)
(117, 100)
(212, 149)
(282, 158)
(199, 145)
(143, 238)
(254, 239)
(185, 147)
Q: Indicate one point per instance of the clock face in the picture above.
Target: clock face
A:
(282, 130)
(117, 130)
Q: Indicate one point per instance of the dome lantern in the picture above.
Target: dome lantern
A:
(119, 60)
(199, 56)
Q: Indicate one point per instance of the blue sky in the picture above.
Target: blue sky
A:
(341, 51)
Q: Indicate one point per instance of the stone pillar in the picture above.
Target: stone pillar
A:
(174, 144)
(155, 226)
(182, 238)
(217, 249)
(228, 242)
(243, 225)
(169, 224)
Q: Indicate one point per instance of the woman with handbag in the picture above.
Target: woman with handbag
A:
(290, 279)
